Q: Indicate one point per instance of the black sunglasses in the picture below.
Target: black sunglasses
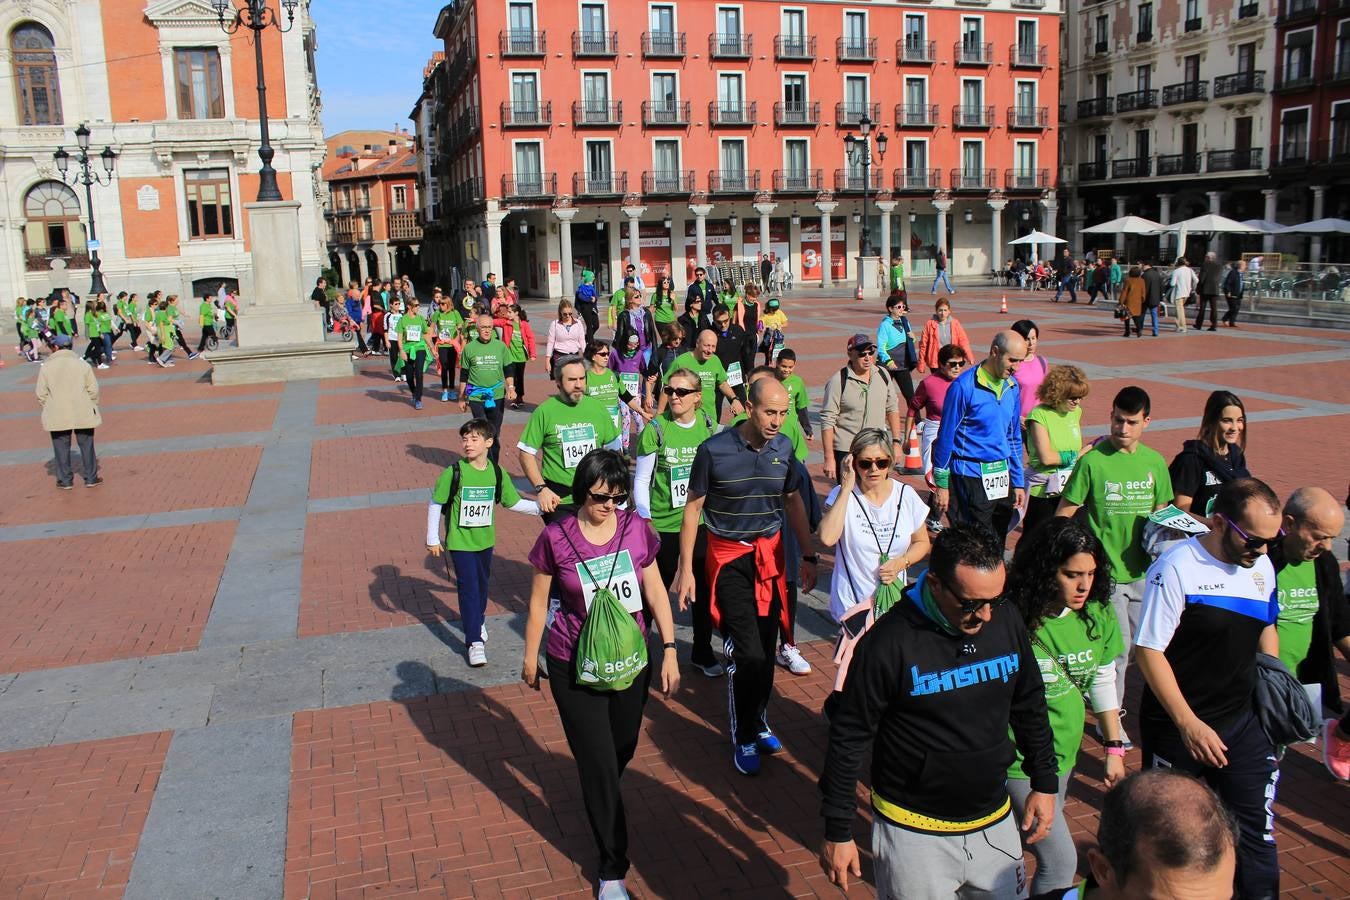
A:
(602, 499)
(867, 465)
(865, 351)
(970, 607)
(672, 391)
(1250, 543)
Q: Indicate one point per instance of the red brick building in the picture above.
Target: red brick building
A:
(372, 205)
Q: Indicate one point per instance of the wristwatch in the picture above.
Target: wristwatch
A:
(539, 487)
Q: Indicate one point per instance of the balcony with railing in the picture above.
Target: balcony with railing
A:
(470, 192)
(917, 181)
(596, 114)
(1029, 118)
(1240, 83)
(1235, 160)
(729, 46)
(798, 181)
(733, 181)
(1144, 37)
(1093, 107)
(593, 44)
(1026, 179)
(665, 112)
(1185, 92)
(403, 227)
(972, 179)
(1249, 10)
(599, 184)
(1092, 171)
(527, 114)
(796, 112)
(1300, 79)
(973, 53)
(846, 114)
(1029, 4)
(1131, 168)
(530, 186)
(732, 113)
(967, 116)
(1136, 101)
(913, 50)
(1297, 10)
(41, 261)
(1101, 48)
(1027, 56)
(850, 181)
(518, 42)
(793, 46)
(916, 115)
(1193, 25)
(663, 44)
(1179, 163)
(848, 49)
(668, 181)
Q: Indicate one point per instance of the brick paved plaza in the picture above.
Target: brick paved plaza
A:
(227, 672)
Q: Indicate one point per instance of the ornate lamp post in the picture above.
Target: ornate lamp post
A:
(860, 154)
(256, 16)
(88, 177)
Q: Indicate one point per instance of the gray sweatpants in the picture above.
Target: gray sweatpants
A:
(1126, 600)
(912, 865)
(1056, 855)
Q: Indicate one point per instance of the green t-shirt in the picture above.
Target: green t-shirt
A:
(105, 323)
(470, 523)
(604, 386)
(412, 333)
(563, 434)
(674, 462)
(798, 399)
(897, 277)
(711, 374)
(164, 328)
(1065, 433)
(517, 346)
(207, 313)
(447, 325)
(1296, 590)
(1066, 637)
(486, 364)
(792, 430)
(26, 327)
(60, 322)
(1118, 492)
(90, 323)
(663, 311)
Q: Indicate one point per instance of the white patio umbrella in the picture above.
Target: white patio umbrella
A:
(1265, 226)
(1209, 223)
(1038, 237)
(1319, 226)
(1126, 225)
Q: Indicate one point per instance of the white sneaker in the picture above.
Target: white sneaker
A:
(790, 658)
(104, 366)
(477, 654)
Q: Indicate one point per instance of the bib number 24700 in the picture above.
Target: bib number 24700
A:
(996, 480)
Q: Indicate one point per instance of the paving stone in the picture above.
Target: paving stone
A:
(205, 666)
(69, 684)
(242, 699)
(166, 709)
(32, 726)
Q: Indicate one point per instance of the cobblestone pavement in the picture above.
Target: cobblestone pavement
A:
(233, 671)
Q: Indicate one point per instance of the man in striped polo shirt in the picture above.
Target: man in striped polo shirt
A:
(743, 479)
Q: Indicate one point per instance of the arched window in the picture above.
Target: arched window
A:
(36, 84)
(53, 225)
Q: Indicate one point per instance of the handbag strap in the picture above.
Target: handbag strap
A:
(1060, 667)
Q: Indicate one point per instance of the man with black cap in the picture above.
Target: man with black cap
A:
(860, 396)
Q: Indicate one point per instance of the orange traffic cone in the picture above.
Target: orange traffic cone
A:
(913, 458)
(1003, 305)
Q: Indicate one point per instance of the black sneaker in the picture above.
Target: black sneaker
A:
(95, 483)
(64, 486)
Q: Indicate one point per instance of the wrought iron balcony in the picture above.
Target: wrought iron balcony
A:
(798, 181)
(516, 42)
(534, 185)
(1185, 92)
(1178, 163)
(972, 179)
(665, 112)
(668, 181)
(1101, 47)
(1028, 117)
(917, 181)
(973, 53)
(852, 113)
(1131, 168)
(729, 46)
(796, 112)
(855, 49)
(1144, 37)
(1235, 160)
(792, 46)
(732, 113)
(595, 43)
(913, 50)
(1194, 24)
(1135, 101)
(733, 181)
(1027, 56)
(1092, 171)
(1095, 106)
(530, 114)
(972, 116)
(1249, 10)
(1240, 83)
(1293, 10)
(599, 184)
(1026, 179)
(916, 115)
(663, 44)
(596, 113)
(850, 181)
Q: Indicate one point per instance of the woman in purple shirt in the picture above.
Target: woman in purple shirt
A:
(601, 546)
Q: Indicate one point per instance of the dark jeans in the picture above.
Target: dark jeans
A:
(1066, 284)
(182, 341)
(61, 448)
(667, 563)
(107, 344)
(414, 369)
(515, 375)
(94, 352)
(751, 642)
(208, 332)
(1234, 305)
(473, 568)
(1246, 786)
(1039, 509)
(968, 503)
(393, 355)
(449, 357)
(1211, 301)
(590, 317)
(494, 416)
(602, 729)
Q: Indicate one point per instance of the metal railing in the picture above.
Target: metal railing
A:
(855, 49)
(972, 179)
(530, 185)
(536, 114)
(916, 115)
(663, 44)
(917, 180)
(791, 46)
(1096, 106)
(852, 113)
(599, 183)
(798, 181)
(733, 181)
(1185, 92)
(1131, 168)
(1027, 56)
(910, 50)
(732, 112)
(665, 112)
(1092, 171)
(1179, 163)
(596, 113)
(1253, 82)
(973, 53)
(849, 181)
(1028, 117)
(796, 112)
(662, 181)
(516, 42)
(595, 43)
(1235, 160)
(1134, 101)
(729, 46)
(1026, 179)
(972, 116)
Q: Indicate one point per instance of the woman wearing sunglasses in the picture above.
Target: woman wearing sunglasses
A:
(1061, 584)
(602, 546)
(925, 408)
(665, 459)
(1054, 440)
(876, 521)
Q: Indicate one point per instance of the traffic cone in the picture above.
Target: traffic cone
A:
(1003, 305)
(913, 458)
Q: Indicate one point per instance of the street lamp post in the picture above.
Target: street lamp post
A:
(88, 177)
(256, 16)
(860, 153)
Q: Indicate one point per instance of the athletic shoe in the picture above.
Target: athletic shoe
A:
(746, 759)
(477, 654)
(95, 483)
(612, 890)
(193, 355)
(445, 396)
(65, 487)
(114, 356)
(170, 364)
(417, 404)
(104, 366)
(768, 742)
(712, 669)
(454, 395)
(1335, 751)
(790, 658)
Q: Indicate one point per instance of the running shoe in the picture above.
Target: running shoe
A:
(454, 395)
(768, 742)
(64, 486)
(95, 483)
(790, 658)
(114, 356)
(170, 364)
(193, 355)
(1335, 751)
(445, 396)
(612, 890)
(712, 668)
(477, 654)
(746, 759)
(104, 366)
(417, 404)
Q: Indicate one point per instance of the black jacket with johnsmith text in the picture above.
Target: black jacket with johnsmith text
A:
(938, 706)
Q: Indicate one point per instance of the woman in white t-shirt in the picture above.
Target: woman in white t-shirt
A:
(878, 528)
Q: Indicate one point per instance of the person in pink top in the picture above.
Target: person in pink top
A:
(566, 335)
(942, 329)
(925, 408)
(1032, 371)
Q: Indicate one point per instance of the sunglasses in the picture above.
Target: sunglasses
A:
(602, 499)
(1249, 543)
(956, 364)
(867, 465)
(671, 391)
(865, 351)
(968, 606)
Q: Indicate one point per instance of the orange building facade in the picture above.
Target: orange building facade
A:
(572, 131)
(372, 229)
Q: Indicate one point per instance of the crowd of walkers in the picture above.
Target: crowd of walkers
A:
(669, 469)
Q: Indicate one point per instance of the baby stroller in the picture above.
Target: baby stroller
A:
(343, 324)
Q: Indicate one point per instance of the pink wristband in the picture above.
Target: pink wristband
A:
(1116, 751)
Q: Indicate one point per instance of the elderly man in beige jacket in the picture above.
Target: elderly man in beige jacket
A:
(68, 392)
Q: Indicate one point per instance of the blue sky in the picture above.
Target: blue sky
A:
(370, 59)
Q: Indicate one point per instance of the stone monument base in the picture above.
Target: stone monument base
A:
(869, 275)
(283, 362)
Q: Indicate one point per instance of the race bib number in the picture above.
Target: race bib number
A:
(1055, 481)
(1172, 517)
(679, 485)
(630, 381)
(413, 334)
(994, 476)
(447, 335)
(577, 441)
(475, 506)
(734, 377)
(617, 573)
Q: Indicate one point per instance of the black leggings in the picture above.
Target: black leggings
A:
(413, 368)
(393, 354)
(182, 341)
(668, 564)
(903, 378)
(1039, 509)
(448, 356)
(515, 374)
(208, 332)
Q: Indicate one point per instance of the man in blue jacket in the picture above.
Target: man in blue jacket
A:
(977, 457)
